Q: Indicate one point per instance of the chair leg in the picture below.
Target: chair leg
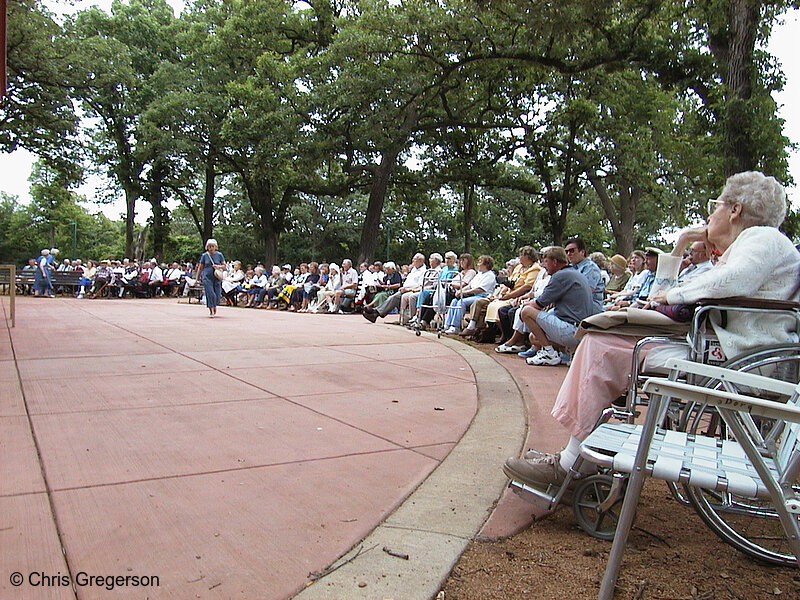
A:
(629, 504)
(624, 526)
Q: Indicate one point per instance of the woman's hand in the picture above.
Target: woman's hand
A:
(688, 237)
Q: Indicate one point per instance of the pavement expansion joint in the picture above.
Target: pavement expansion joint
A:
(236, 469)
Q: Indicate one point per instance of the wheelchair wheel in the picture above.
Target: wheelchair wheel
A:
(589, 494)
(749, 524)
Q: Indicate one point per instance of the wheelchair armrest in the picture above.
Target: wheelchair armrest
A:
(723, 399)
(783, 388)
(742, 302)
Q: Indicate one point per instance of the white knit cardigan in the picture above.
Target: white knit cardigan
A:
(761, 263)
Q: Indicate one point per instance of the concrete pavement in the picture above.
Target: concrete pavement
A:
(233, 457)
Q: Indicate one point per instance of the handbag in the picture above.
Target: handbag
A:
(218, 273)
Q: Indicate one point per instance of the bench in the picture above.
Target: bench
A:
(24, 281)
(5, 280)
(195, 291)
(65, 279)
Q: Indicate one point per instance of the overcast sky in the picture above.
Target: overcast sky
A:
(16, 167)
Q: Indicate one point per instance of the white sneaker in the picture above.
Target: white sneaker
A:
(451, 331)
(550, 357)
(503, 349)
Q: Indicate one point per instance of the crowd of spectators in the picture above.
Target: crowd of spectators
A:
(108, 278)
(531, 305)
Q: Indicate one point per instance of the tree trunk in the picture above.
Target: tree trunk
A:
(469, 207)
(208, 201)
(623, 217)
(160, 227)
(130, 219)
(558, 200)
(261, 197)
(155, 196)
(733, 47)
(140, 244)
(377, 198)
(270, 239)
(380, 184)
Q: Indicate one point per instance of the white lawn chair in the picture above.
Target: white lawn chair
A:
(750, 462)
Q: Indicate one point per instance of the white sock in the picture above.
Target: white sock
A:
(473, 324)
(570, 454)
(550, 350)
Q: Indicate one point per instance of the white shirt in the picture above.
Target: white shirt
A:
(486, 281)
(174, 274)
(369, 278)
(693, 271)
(760, 263)
(415, 277)
(259, 280)
(349, 277)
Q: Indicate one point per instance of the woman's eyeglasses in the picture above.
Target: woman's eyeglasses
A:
(712, 205)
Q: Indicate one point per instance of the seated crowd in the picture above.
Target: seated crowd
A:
(533, 304)
(111, 278)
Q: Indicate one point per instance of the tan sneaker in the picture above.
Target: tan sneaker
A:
(540, 472)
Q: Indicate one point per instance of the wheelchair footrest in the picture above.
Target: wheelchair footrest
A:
(543, 500)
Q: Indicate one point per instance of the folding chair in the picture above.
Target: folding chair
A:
(595, 499)
(757, 458)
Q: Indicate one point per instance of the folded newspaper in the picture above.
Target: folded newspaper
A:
(633, 321)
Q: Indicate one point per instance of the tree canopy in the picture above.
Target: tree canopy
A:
(372, 129)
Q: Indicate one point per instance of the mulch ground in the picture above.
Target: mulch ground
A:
(671, 555)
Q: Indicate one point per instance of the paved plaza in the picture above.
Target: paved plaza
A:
(243, 456)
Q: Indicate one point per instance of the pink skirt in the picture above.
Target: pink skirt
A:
(598, 376)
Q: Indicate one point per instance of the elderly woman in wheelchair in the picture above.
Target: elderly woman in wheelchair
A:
(755, 261)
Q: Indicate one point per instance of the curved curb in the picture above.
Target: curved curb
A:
(436, 522)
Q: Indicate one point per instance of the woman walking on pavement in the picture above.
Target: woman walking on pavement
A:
(211, 267)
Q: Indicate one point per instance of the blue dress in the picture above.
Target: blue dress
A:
(211, 285)
(41, 281)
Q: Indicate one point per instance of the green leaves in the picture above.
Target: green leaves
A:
(37, 112)
(493, 123)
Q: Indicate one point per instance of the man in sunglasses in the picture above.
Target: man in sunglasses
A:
(576, 254)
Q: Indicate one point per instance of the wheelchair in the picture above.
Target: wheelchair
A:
(751, 525)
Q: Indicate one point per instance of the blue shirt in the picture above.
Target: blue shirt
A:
(571, 296)
(208, 261)
(447, 273)
(647, 284)
(589, 269)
